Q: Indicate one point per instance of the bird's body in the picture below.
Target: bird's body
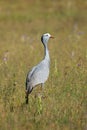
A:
(39, 73)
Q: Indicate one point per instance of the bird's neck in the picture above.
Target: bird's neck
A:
(46, 53)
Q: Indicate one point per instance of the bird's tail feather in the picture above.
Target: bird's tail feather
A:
(27, 94)
(26, 98)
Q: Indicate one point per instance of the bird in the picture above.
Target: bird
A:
(39, 73)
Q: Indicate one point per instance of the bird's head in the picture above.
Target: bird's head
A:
(45, 37)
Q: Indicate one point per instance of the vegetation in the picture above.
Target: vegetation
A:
(64, 106)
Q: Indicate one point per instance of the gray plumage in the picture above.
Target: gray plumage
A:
(39, 73)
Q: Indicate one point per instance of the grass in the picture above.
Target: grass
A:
(21, 25)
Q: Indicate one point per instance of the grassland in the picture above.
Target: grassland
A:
(22, 22)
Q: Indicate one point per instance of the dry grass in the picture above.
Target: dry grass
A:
(22, 23)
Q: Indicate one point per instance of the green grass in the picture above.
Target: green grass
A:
(22, 23)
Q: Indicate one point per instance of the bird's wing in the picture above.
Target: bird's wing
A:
(29, 76)
(31, 72)
(40, 73)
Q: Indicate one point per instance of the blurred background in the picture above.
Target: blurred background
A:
(22, 22)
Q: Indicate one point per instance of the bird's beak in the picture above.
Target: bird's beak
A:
(51, 37)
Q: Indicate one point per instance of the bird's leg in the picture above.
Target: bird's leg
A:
(42, 86)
